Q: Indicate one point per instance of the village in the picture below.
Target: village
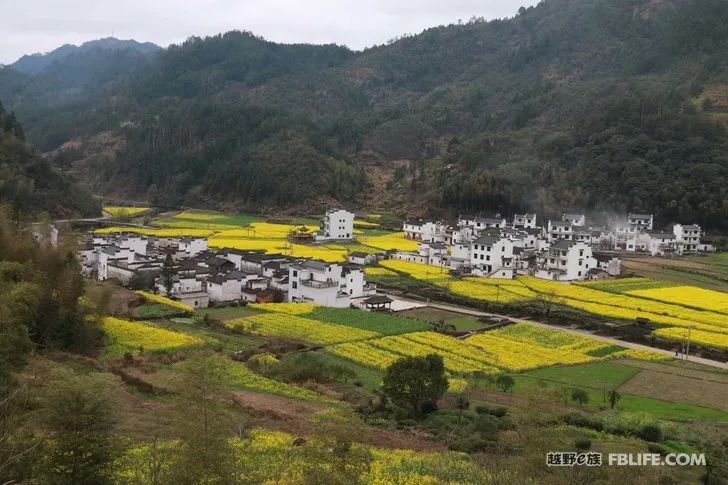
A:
(565, 250)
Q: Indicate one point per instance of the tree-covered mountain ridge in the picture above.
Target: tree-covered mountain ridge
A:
(602, 105)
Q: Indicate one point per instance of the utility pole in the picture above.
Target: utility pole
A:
(687, 348)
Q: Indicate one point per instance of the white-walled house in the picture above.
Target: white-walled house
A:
(490, 254)
(337, 224)
(525, 221)
(186, 288)
(192, 246)
(229, 287)
(558, 230)
(578, 220)
(643, 222)
(326, 284)
(688, 236)
(567, 261)
(660, 243)
(428, 231)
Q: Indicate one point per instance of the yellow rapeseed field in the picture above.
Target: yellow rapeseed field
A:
(299, 328)
(688, 295)
(395, 240)
(165, 301)
(699, 337)
(133, 337)
(119, 211)
(289, 308)
(155, 232)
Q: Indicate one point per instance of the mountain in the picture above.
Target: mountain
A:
(30, 185)
(601, 105)
(35, 64)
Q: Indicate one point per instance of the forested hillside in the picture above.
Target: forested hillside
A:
(605, 105)
(28, 183)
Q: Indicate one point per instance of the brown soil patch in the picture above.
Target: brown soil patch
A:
(668, 387)
(293, 416)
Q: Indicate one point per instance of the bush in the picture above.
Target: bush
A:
(583, 421)
(582, 444)
(651, 432)
(498, 412)
(470, 445)
(487, 425)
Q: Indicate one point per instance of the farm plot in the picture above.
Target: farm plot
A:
(624, 285)
(699, 337)
(134, 337)
(299, 328)
(163, 300)
(627, 307)
(382, 323)
(118, 212)
(689, 296)
(670, 387)
(388, 241)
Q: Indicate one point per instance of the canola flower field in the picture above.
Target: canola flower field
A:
(133, 337)
(689, 296)
(299, 328)
(163, 300)
(120, 211)
(700, 337)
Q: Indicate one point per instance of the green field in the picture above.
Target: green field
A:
(596, 375)
(383, 323)
(228, 313)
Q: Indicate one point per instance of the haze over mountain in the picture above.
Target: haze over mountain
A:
(611, 105)
(37, 63)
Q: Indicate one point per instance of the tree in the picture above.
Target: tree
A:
(78, 413)
(505, 382)
(579, 395)
(547, 300)
(168, 274)
(412, 382)
(613, 396)
(462, 404)
(206, 455)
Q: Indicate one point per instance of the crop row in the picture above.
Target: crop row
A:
(299, 328)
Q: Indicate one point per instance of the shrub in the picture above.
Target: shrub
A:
(583, 421)
(498, 412)
(582, 444)
(470, 445)
(487, 426)
(651, 432)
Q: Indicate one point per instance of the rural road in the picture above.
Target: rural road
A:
(611, 340)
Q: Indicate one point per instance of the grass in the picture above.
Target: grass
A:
(369, 377)
(382, 323)
(435, 315)
(155, 310)
(228, 313)
(228, 341)
(595, 375)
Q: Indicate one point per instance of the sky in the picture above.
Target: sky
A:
(30, 26)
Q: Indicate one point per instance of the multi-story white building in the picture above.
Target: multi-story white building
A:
(326, 284)
(578, 220)
(558, 230)
(492, 257)
(688, 236)
(192, 246)
(643, 222)
(525, 221)
(567, 261)
(337, 224)
(426, 231)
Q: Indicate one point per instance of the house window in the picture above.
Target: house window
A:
(295, 273)
(579, 273)
(294, 284)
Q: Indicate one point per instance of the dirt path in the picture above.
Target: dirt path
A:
(294, 416)
(610, 340)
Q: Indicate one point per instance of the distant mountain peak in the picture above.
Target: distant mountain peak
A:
(36, 63)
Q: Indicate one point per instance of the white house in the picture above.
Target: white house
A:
(229, 287)
(186, 288)
(325, 284)
(660, 243)
(578, 220)
(192, 246)
(362, 259)
(643, 222)
(688, 236)
(567, 261)
(337, 224)
(492, 257)
(558, 230)
(524, 220)
(428, 231)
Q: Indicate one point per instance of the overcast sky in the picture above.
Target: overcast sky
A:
(29, 26)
